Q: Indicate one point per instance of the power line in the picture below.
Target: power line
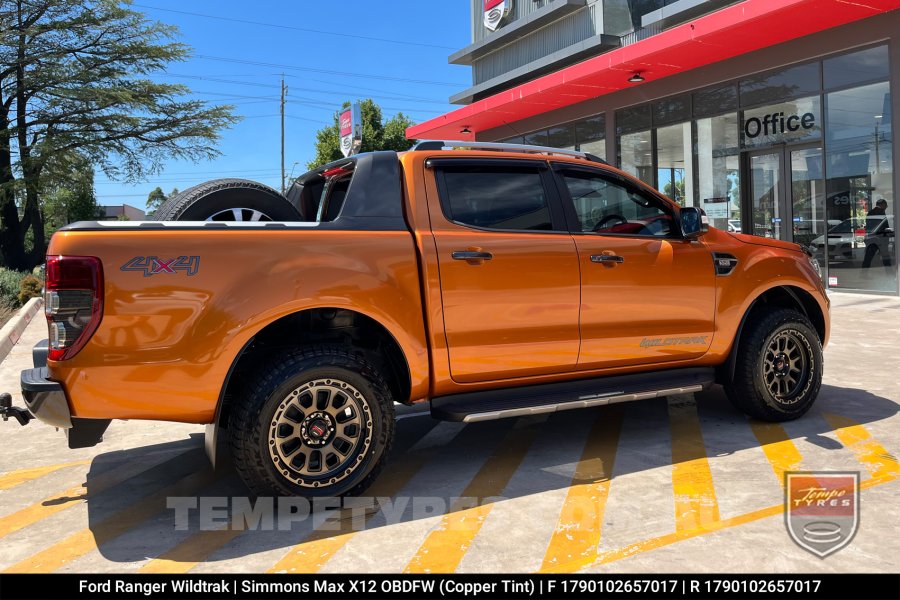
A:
(293, 28)
(324, 71)
(305, 89)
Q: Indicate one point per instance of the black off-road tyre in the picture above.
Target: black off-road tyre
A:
(227, 200)
(778, 371)
(273, 423)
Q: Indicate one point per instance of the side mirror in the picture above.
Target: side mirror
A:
(694, 222)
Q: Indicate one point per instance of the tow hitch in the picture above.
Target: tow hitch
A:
(7, 410)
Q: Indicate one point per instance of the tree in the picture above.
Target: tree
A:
(376, 134)
(74, 84)
(71, 199)
(155, 199)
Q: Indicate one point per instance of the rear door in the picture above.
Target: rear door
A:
(648, 295)
(508, 269)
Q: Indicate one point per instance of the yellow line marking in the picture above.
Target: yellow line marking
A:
(322, 544)
(73, 496)
(446, 545)
(306, 557)
(580, 523)
(80, 543)
(14, 478)
(778, 448)
(695, 495)
(878, 461)
(868, 449)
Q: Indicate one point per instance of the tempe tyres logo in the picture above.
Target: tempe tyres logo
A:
(821, 509)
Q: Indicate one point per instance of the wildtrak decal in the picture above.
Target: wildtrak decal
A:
(673, 341)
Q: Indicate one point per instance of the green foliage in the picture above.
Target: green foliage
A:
(70, 199)
(677, 193)
(377, 134)
(29, 287)
(155, 199)
(9, 287)
(79, 81)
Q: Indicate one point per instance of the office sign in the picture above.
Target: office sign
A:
(787, 122)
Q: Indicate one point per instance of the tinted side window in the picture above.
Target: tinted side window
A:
(605, 206)
(497, 198)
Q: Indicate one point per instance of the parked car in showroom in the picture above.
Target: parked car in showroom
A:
(488, 280)
(845, 241)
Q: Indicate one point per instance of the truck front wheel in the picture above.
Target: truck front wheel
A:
(317, 422)
(778, 371)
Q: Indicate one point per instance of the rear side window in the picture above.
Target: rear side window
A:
(509, 198)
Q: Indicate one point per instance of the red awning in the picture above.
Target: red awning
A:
(731, 31)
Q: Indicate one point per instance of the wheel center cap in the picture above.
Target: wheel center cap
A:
(781, 365)
(316, 429)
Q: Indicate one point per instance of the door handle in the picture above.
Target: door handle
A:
(607, 258)
(471, 255)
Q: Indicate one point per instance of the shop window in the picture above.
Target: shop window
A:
(674, 163)
(562, 137)
(672, 110)
(857, 67)
(718, 170)
(636, 155)
(786, 122)
(860, 203)
(536, 138)
(496, 198)
(715, 101)
(792, 82)
(633, 119)
(590, 135)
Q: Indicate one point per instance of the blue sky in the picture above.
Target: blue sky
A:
(226, 69)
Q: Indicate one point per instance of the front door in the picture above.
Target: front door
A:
(787, 193)
(509, 274)
(648, 295)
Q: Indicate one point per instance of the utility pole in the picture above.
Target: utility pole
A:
(283, 94)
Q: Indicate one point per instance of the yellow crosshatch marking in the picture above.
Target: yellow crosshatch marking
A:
(867, 449)
(778, 448)
(573, 545)
(14, 478)
(446, 545)
(578, 530)
(80, 543)
(878, 461)
(72, 497)
(695, 496)
(322, 544)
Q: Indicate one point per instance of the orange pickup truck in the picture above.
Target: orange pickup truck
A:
(489, 280)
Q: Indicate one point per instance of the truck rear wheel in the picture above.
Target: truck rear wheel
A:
(227, 200)
(317, 422)
(778, 371)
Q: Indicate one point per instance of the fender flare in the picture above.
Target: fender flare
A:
(731, 364)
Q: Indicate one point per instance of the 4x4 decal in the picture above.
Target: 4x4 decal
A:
(153, 265)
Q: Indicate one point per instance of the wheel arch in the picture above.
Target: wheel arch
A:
(304, 327)
(784, 296)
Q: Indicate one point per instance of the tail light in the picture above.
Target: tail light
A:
(73, 302)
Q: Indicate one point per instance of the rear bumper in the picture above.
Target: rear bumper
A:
(47, 401)
(44, 398)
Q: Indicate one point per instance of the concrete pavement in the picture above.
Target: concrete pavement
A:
(684, 483)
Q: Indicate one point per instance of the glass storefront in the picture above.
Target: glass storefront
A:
(719, 170)
(803, 153)
(860, 201)
(587, 135)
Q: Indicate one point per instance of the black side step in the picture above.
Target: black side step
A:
(552, 397)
